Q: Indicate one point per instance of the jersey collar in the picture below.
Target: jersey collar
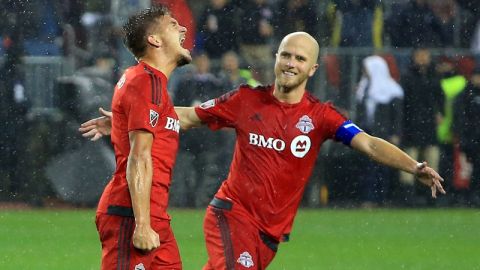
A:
(284, 104)
(154, 70)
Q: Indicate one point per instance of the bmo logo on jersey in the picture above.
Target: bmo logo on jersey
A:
(300, 146)
(270, 143)
(173, 124)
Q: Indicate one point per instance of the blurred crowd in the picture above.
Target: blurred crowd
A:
(426, 100)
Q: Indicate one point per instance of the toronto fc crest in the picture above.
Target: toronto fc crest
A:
(305, 124)
(245, 260)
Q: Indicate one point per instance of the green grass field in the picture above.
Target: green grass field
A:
(322, 239)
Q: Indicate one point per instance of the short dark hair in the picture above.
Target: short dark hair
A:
(136, 29)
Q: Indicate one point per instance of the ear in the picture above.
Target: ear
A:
(312, 70)
(154, 41)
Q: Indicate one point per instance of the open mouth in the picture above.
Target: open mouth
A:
(182, 39)
(288, 73)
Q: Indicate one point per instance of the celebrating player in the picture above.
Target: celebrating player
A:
(134, 226)
(280, 129)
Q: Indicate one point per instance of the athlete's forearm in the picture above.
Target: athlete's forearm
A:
(188, 117)
(139, 178)
(385, 153)
(139, 175)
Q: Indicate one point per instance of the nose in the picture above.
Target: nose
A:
(183, 29)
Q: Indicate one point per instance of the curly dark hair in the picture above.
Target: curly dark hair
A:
(138, 26)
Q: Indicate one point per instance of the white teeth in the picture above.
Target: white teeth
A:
(288, 73)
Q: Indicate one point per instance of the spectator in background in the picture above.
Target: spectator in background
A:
(231, 76)
(413, 25)
(421, 106)
(296, 15)
(379, 99)
(358, 23)
(38, 23)
(470, 15)
(13, 104)
(217, 29)
(467, 118)
(255, 37)
(450, 85)
(445, 12)
(72, 11)
(203, 168)
(475, 42)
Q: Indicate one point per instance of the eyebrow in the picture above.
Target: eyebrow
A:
(297, 56)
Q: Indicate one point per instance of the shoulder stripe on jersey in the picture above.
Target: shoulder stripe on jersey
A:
(156, 85)
(159, 91)
(153, 86)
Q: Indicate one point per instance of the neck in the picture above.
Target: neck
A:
(289, 95)
(165, 65)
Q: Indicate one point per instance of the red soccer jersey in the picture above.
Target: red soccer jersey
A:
(141, 102)
(277, 145)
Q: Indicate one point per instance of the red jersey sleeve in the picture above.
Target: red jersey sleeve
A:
(141, 103)
(220, 112)
(332, 120)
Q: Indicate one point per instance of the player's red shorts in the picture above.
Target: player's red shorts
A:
(233, 242)
(118, 251)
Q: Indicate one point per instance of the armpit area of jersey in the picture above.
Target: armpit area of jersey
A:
(346, 132)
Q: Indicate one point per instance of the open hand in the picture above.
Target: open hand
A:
(97, 127)
(429, 177)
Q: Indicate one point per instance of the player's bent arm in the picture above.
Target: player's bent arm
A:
(383, 152)
(139, 178)
(188, 117)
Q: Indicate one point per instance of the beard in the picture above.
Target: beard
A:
(183, 60)
(286, 86)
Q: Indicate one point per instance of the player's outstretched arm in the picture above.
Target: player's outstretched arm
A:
(390, 155)
(188, 117)
(97, 127)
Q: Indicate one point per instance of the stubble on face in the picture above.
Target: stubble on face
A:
(301, 48)
(183, 56)
(183, 60)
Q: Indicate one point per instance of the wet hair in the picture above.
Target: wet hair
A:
(138, 26)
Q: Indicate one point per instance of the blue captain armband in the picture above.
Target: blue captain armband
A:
(346, 132)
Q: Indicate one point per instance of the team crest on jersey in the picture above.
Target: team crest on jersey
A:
(245, 260)
(305, 124)
(207, 104)
(139, 266)
(300, 146)
(121, 82)
(153, 118)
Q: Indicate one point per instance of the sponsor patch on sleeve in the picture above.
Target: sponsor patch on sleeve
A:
(153, 118)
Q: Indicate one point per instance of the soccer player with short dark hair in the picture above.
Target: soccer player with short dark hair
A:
(132, 218)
